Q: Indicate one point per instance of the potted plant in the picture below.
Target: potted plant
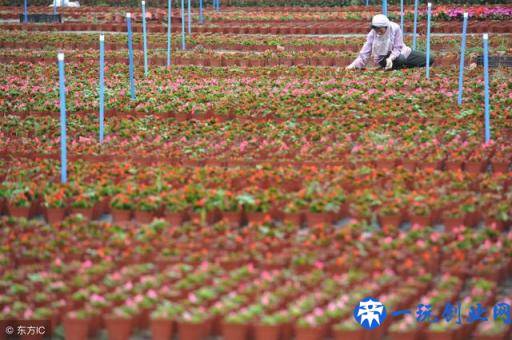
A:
(194, 324)
(441, 331)
(405, 329)
(235, 325)
(270, 326)
(120, 321)
(146, 207)
(122, 206)
(84, 202)
(54, 200)
(162, 320)
(312, 326)
(348, 329)
(76, 324)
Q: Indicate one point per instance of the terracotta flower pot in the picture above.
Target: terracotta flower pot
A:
(294, 218)
(409, 335)
(310, 333)
(119, 215)
(452, 223)
(446, 335)
(76, 329)
(256, 217)
(232, 217)
(144, 217)
(192, 331)
(423, 221)
(55, 215)
(174, 218)
(118, 328)
(162, 329)
(264, 332)
(390, 222)
(475, 167)
(352, 335)
(232, 331)
(317, 218)
(500, 167)
(15, 211)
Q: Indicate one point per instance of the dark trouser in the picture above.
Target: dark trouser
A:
(415, 59)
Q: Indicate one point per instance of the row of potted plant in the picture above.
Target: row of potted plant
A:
(199, 295)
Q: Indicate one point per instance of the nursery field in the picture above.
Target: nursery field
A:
(255, 189)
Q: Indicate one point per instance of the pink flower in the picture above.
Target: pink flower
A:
(250, 267)
(319, 264)
(152, 294)
(192, 298)
(97, 298)
(87, 264)
(318, 312)
(138, 298)
(434, 237)
(388, 240)
(28, 314)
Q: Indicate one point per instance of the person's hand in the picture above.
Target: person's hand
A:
(350, 67)
(389, 64)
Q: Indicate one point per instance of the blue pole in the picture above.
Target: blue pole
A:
(429, 14)
(25, 12)
(102, 86)
(415, 24)
(130, 55)
(218, 5)
(169, 15)
(486, 89)
(366, 2)
(183, 45)
(144, 38)
(385, 7)
(402, 15)
(462, 54)
(189, 16)
(54, 7)
(62, 96)
(201, 16)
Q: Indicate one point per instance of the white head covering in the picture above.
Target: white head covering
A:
(380, 20)
(381, 43)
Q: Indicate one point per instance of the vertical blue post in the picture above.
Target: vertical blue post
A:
(201, 15)
(54, 7)
(429, 15)
(385, 7)
(62, 96)
(218, 5)
(102, 86)
(144, 38)
(25, 12)
(402, 16)
(415, 24)
(130, 55)
(366, 2)
(183, 45)
(189, 17)
(169, 46)
(462, 55)
(486, 89)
